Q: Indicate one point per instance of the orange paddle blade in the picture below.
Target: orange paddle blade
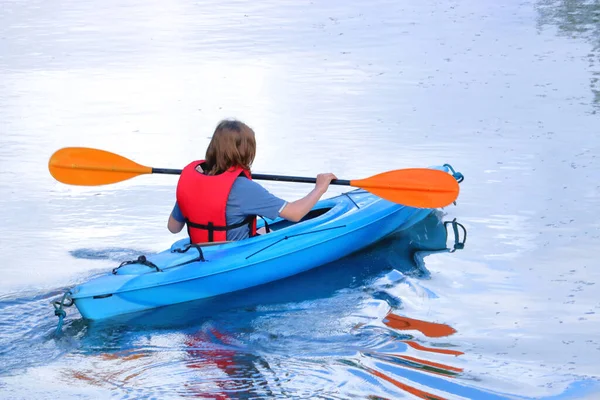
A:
(90, 167)
(414, 187)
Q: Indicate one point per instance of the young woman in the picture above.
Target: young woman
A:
(217, 198)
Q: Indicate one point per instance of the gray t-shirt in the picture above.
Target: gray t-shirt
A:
(246, 198)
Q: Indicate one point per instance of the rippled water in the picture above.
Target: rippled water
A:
(507, 92)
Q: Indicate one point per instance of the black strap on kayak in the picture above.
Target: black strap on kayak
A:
(65, 301)
(291, 236)
(190, 246)
(458, 245)
(140, 260)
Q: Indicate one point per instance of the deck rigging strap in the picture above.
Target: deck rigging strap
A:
(347, 194)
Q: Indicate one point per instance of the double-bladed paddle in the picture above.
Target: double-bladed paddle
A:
(414, 187)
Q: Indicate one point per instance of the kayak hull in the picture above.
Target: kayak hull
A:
(342, 225)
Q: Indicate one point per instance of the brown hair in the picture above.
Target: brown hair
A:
(232, 145)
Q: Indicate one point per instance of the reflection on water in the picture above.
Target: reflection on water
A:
(429, 329)
(417, 363)
(577, 20)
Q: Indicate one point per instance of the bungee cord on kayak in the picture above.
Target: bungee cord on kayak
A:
(140, 260)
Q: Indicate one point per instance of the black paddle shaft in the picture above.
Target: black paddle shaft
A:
(263, 177)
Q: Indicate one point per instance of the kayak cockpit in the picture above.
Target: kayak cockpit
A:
(281, 223)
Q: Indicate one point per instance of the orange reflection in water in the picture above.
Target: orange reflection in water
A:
(107, 378)
(409, 389)
(417, 346)
(429, 329)
(432, 364)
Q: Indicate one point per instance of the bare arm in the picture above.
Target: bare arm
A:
(174, 226)
(296, 210)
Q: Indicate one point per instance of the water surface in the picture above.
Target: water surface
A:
(506, 92)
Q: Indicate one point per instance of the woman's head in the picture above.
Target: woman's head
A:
(232, 145)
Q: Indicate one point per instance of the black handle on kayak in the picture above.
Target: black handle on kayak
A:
(263, 177)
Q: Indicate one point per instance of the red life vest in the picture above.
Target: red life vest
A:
(202, 200)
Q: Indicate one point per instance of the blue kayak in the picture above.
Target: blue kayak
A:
(335, 228)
